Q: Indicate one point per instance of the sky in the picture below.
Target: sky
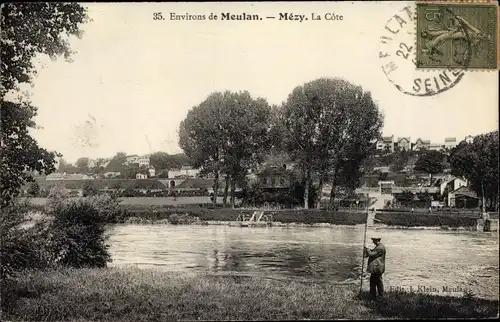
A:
(133, 79)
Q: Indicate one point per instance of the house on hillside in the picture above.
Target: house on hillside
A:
(386, 143)
(105, 163)
(141, 175)
(143, 161)
(68, 176)
(463, 197)
(421, 144)
(469, 139)
(450, 143)
(131, 159)
(451, 183)
(274, 178)
(403, 144)
(436, 146)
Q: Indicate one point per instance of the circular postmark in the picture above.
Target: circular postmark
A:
(398, 58)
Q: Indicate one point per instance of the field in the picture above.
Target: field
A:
(130, 294)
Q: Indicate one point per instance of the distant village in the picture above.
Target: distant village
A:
(383, 180)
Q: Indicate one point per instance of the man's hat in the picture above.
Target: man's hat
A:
(376, 238)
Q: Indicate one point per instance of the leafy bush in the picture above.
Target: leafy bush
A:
(89, 189)
(72, 233)
(33, 189)
(22, 247)
(57, 195)
(107, 205)
(78, 233)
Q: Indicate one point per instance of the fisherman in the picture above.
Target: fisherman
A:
(376, 267)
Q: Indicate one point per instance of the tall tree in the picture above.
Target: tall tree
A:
(330, 125)
(117, 163)
(28, 29)
(83, 164)
(478, 163)
(201, 137)
(246, 127)
(227, 134)
(431, 162)
(165, 161)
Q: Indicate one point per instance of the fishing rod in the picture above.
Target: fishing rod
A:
(364, 243)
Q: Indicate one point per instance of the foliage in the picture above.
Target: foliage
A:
(89, 189)
(83, 165)
(78, 233)
(424, 196)
(65, 167)
(48, 26)
(431, 162)
(163, 160)
(116, 164)
(226, 134)
(405, 196)
(57, 195)
(330, 126)
(478, 163)
(71, 235)
(33, 189)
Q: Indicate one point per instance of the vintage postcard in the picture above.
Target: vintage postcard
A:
(249, 160)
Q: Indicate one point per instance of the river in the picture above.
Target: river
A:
(429, 261)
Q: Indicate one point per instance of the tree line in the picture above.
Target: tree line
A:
(327, 127)
(159, 160)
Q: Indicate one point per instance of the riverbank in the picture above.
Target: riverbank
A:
(131, 294)
(188, 214)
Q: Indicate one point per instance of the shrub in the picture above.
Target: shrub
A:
(78, 234)
(33, 189)
(22, 247)
(107, 205)
(89, 189)
(57, 194)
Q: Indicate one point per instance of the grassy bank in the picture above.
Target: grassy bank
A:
(145, 295)
(425, 220)
(285, 216)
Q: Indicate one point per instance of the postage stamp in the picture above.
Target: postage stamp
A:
(398, 58)
(456, 36)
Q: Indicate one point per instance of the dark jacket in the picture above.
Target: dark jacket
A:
(376, 259)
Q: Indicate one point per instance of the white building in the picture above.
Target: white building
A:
(469, 139)
(453, 183)
(450, 143)
(132, 159)
(141, 176)
(68, 176)
(386, 143)
(143, 161)
(436, 146)
(187, 171)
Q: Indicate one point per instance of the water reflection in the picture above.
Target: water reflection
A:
(452, 259)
